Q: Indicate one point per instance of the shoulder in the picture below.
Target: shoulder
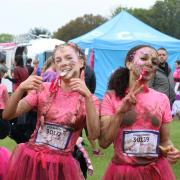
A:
(110, 95)
(158, 95)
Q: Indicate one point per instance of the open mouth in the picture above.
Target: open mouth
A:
(64, 72)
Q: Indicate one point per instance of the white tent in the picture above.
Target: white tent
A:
(38, 46)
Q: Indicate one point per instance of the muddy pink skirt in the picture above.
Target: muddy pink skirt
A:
(159, 170)
(4, 158)
(29, 162)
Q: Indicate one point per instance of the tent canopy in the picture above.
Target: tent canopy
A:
(38, 46)
(112, 40)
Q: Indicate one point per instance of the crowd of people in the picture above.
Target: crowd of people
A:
(134, 115)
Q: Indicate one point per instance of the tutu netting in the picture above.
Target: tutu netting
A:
(31, 162)
(4, 158)
(159, 170)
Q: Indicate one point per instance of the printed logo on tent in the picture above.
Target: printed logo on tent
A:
(138, 35)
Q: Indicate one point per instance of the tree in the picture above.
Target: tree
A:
(79, 26)
(163, 16)
(6, 37)
(36, 32)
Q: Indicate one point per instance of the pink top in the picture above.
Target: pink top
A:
(3, 92)
(177, 74)
(151, 111)
(66, 108)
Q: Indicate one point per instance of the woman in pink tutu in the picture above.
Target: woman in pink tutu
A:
(136, 120)
(64, 107)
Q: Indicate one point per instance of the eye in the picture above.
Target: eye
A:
(145, 57)
(58, 60)
(155, 61)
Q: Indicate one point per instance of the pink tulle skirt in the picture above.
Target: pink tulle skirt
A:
(159, 170)
(4, 158)
(30, 162)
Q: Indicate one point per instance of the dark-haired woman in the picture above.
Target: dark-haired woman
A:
(136, 120)
(20, 72)
(64, 107)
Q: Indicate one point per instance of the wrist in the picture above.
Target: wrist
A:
(21, 89)
(88, 96)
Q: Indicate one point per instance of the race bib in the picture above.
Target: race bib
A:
(54, 135)
(141, 143)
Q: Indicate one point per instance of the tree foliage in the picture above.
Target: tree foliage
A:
(163, 16)
(6, 37)
(36, 32)
(79, 26)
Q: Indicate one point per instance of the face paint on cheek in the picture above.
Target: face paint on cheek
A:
(70, 65)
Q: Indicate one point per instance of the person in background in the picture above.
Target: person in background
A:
(20, 72)
(176, 104)
(3, 61)
(37, 69)
(176, 74)
(163, 80)
(4, 126)
(65, 106)
(29, 66)
(49, 70)
(136, 119)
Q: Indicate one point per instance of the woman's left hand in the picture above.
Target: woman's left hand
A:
(173, 155)
(79, 85)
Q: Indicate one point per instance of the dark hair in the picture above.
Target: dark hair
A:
(178, 62)
(19, 60)
(2, 57)
(29, 60)
(119, 80)
(161, 48)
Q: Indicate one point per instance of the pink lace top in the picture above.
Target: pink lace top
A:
(3, 91)
(151, 111)
(65, 109)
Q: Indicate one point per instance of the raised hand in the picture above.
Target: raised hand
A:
(33, 82)
(130, 99)
(79, 85)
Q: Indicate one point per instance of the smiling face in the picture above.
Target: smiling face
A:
(144, 63)
(67, 62)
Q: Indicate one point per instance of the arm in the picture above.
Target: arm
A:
(15, 105)
(109, 128)
(173, 154)
(92, 118)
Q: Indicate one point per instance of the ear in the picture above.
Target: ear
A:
(81, 63)
(129, 65)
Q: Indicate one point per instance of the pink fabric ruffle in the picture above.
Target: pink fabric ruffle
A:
(159, 170)
(30, 162)
(4, 158)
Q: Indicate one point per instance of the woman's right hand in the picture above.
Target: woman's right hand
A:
(130, 99)
(33, 82)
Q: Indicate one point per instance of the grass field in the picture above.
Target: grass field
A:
(100, 163)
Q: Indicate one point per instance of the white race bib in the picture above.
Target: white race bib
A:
(54, 135)
(141, 143)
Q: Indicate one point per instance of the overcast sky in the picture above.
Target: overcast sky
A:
(19, 16)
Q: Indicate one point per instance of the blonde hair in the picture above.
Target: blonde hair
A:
(47, 63)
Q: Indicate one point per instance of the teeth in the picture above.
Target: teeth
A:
(64, 72)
